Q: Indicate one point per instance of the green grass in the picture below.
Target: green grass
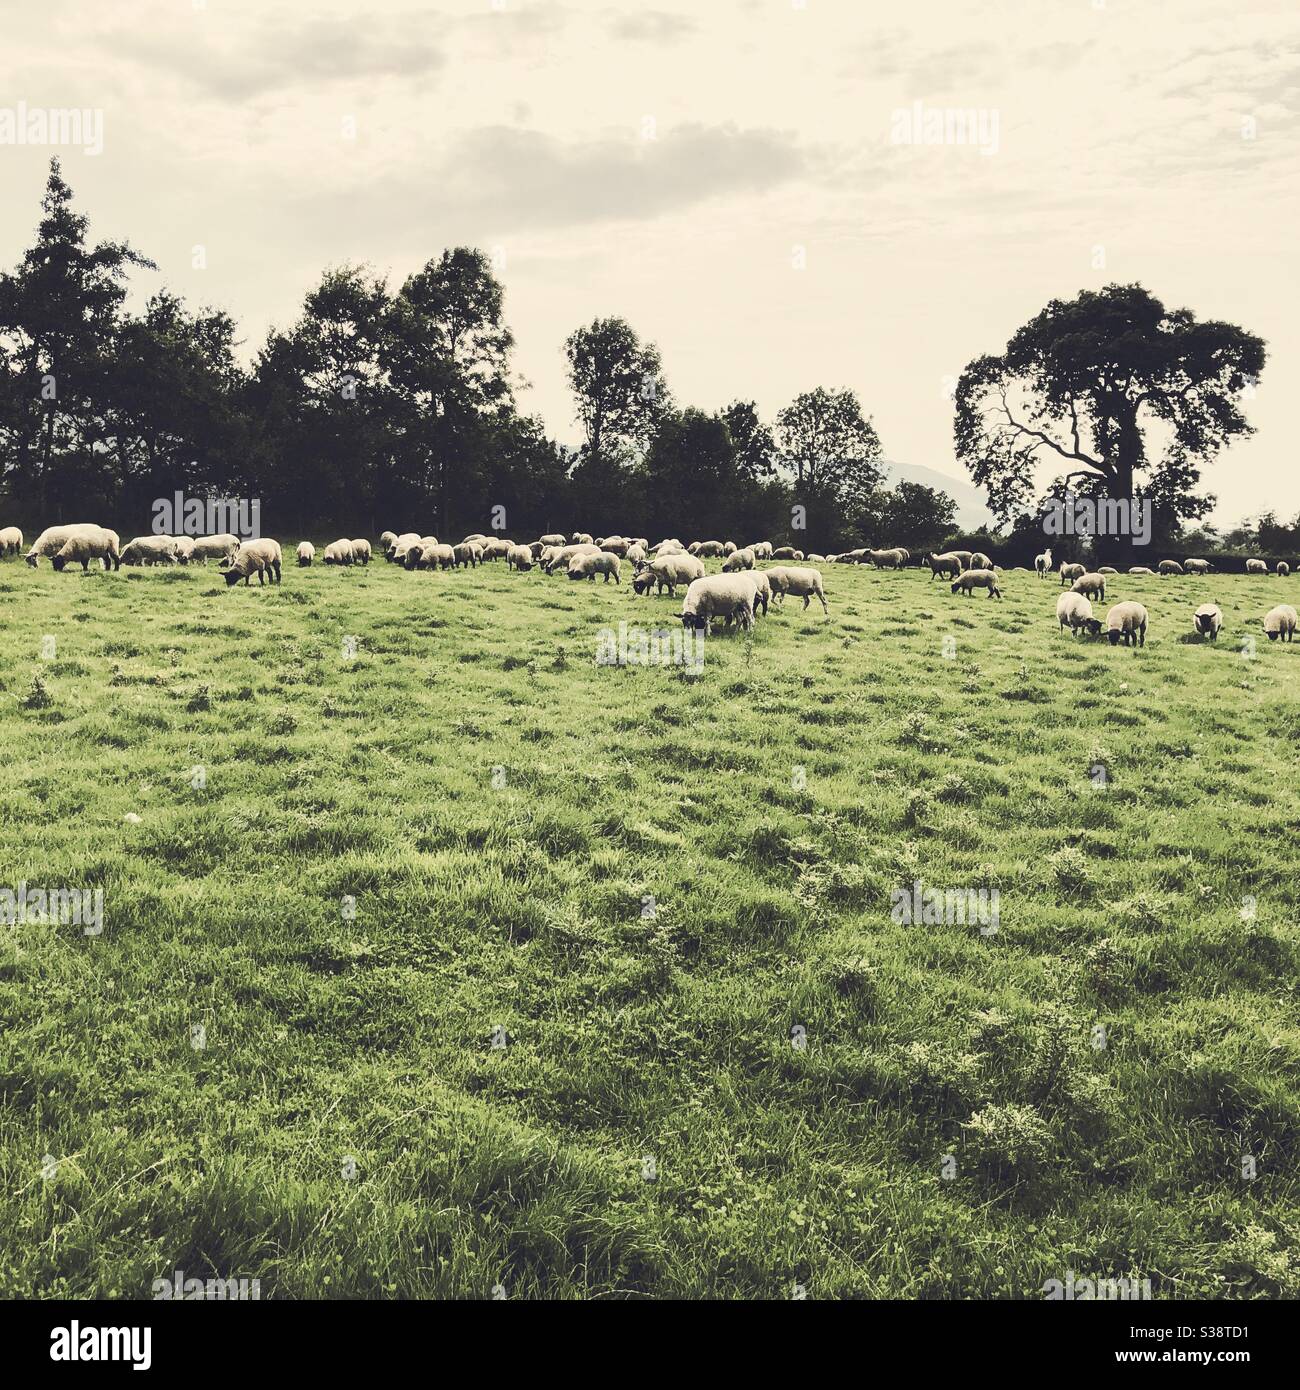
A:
(768, 806)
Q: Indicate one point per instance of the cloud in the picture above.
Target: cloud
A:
(652, 26)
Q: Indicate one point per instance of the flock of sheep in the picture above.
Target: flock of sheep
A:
(736, 594)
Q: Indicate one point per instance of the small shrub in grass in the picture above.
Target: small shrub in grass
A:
(38, 695)
(916, 807)
(1005, 1141)
(1069, 867)
(1254, 1263)
(281, 724)
(200, 700)
(940, 1073)
(954, 789)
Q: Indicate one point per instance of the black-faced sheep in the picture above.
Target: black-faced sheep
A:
(11, 540)
(361, 552)
(803, 583)
(738, 560)
(1043, 563)
(719, 596)
(1208, 620)
(338, 553)
(150, 550)
(1075, 612)
(1169, 567)
(1280, 622)
(1127, 622)
(1094, 585)
(219, 547)
(99, 544)
(589, 566)
(1069, 573)
(255, 558)
(971, 580)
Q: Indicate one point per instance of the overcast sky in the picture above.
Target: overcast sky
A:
(726, 175)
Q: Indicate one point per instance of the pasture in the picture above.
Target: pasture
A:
(471, 964)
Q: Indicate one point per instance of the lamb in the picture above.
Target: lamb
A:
(1169, 567)
(552, 538)
(520, 558)
(1043, 563)
(947, 564)
(1094, 585)
(1140, 569)
(1283, 569)
(1074, 610)
(1196, 566)
(1281, 622)
(338, 553)
(306, 554)
(971, 580)
(255, 558)
(11, 540)
(150, 550)
(1069, 573)
(467, 553)
(667, 572)
(1127, 621)
(801, 582)
(1207, 620)
(99, 544)
(54, 538)
(589, 566)
(719, 596)
(218, 547)
(361, 552)
(738, 560)
(1256, 567)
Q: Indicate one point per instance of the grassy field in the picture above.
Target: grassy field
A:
(622, 1008)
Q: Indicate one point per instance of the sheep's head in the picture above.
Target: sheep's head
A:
(233, 576)
(58, 562)
(694, 620)
(1092, 626)
(956, 584)
(1114, 635)
(1272, 634)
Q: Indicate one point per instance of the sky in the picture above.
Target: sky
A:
(733, 177)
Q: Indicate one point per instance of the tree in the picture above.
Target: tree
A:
(618, 385)
(916, 516)
(829, 448)
(755, 446)
(1097, 381)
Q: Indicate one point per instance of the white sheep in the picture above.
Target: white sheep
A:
(762, 588)
(589, 566)
(636, 554)
(150, 550)
(361, 552)
(667, 572)
(719, 596)
(971, 580)
(1195, 566)
(616, 545)
(386, 539)
(948, 564)
(1169, 567)
(762, 550)
(672, 546)
(980, 561)
(553, 538)
(1127, 621)
(581, 538)
(396, 553)
(54, 538)
(787, 552)
(467, 553)
(520, 558)
(1075, 612)
(1107, 569)
(886, 559)
(706, 550)
(1140, 569)
(1208, 620)
(219, 547)
(804, 583)
(738, 560)
(259, 558)
(1283, 569)
(1256, 567)
(1069, 573)
(99, 544)
(495, 549)
(1043, 563)
(11, 540)
(559, 559)
(1094, 585)
(338, 553)
(1280, 622)
(184, 548)
(420, 554)
(439, 555)
(306, 554)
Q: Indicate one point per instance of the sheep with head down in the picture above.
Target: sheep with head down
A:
(1075, 612)
(738, 560)
(727, 596)
(667, 572)
(54, 538)
(261, 557)
(1127, 623)
(1094, 585)
(306, 554)
(803, 583)
(419, 556)
(221, 547)
(150, 550)
(1069, 573)
(361, 552)
(1283, 569)
(1280, 623)
(81, 549)
(589, 566)
(1169, 567)
(520, 558)
(1254, 567)
(11, 540)
(338, 553)
(967, 582)
(1196, 566)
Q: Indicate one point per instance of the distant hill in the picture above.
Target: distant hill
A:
(972, 511)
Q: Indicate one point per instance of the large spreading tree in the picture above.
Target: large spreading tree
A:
(1130, 396)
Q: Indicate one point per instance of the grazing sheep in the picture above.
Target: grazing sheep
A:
(306, 554)
(581, 538)
(419, 555)
(1207, 620)
(762, 588)
(1196, 566)
(361, 552)
(552, 538)
(54, 538)
(1169, 567)
(497, 549)
(1069, 573)
(11, 540)
(440, 555)
(1283, 569)
(589, 566)
(803, 583)
(615, 545)
(886, 559)
(1127, 621)
(1094, 585)
(218, 547)
(1107, 569)
(1281, 622)
(520, 558)
(474, 536)
(977, 579)
(762, 550)
(386, 539)
(467, 553)
(1140, 569)
(559, 559)
(1256, 567)
(99, 544)
(338, 553)
(636, 554)
(948, 564)
(1075, 612)
(667, 572)
(738, 560)
(149, 550)
(184, 548)
(719, 596)
(672, 546)
(1043, 563)
(906, 554)
(787, 552)
(980, 561)
(255, 558)
(729, 547)
(706, 550)
(396, 553)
